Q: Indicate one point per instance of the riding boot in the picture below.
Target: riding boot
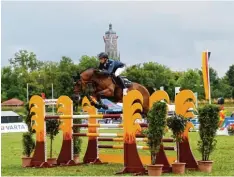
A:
(125, 89)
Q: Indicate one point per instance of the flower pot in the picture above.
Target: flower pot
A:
(26, 161)
(52, 161)
(155, 170)
(76, 158)
(178, 168)
(205, 166)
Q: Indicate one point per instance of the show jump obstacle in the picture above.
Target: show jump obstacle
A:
(132, 109)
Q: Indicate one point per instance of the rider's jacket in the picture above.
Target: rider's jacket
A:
(110, 66)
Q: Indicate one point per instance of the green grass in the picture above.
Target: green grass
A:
(223, 158)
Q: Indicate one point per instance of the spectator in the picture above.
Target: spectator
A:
(232, 115)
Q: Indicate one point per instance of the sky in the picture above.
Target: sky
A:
(170, 33)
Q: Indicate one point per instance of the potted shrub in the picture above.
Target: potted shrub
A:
(27, 139)
(156, 118)
(52, 129)
(177, 124)
(28, 116)
(28, 147)
(209, 119)
(76, 141)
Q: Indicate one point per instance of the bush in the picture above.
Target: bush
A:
(209, 119)
(52, 129)
(28, 116)
(13, 108)
(28, 144)
(77, 141)
(156, 118)
(50, 108)
(177, 124)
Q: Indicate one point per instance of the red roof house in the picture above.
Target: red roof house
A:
(13, 102)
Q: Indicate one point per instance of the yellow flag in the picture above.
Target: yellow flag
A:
(205, 73)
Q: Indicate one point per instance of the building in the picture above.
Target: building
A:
(10, 117)
(110, 40)
(12, 122)
(14, 102)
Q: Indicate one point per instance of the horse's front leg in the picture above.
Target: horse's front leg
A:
(104, 93)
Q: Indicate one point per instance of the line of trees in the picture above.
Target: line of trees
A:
(26, 68)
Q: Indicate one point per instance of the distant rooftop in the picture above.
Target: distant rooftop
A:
(13, 102)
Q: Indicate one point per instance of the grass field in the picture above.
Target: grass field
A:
(223, 158)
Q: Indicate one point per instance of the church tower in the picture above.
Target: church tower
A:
(110, 40)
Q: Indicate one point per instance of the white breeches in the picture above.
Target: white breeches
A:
(119, 71)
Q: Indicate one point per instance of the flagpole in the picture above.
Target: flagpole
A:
(52, 97)
(27, 92)
(207, 56)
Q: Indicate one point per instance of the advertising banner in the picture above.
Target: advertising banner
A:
(14, 127)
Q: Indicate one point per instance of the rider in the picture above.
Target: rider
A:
(109, 67)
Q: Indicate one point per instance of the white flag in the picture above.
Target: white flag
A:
(161, 88)
(177, 90)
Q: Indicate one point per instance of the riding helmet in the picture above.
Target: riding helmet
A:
(103, 55)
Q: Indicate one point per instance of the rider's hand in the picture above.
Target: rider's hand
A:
(96, 70)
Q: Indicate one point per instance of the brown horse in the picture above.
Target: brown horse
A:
(104, 86)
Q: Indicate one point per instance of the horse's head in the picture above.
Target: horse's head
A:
(83, 83)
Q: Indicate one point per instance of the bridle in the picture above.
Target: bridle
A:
(85, 87)
(88, 87)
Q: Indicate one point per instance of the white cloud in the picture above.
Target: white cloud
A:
(171, 33)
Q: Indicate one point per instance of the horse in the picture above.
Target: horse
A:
(105, 86)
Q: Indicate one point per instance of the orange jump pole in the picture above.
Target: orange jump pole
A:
(39, 157)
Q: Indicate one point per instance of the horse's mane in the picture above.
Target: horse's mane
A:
(86, 70)
(92, 68)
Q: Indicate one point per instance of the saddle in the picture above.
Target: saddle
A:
(127, 82)
(116, 81)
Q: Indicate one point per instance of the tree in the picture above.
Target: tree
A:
(25, 60)
(66, 65)
(155, 131)
(190, 80)
(233, 92)
(52, 129)
(64, 84)
(49, 71)
(152, 75)
(25, 68)
(209, 119)
(214, 78)
(86, 62)
(221, 89)
(12, 83)
(3, 95)
(177, 124)
(230, 75)
(177, 75)
(5, 78)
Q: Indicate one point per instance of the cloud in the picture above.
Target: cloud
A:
(170, 33)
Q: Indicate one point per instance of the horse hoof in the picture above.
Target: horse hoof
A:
(98, 106)
(104, 106)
